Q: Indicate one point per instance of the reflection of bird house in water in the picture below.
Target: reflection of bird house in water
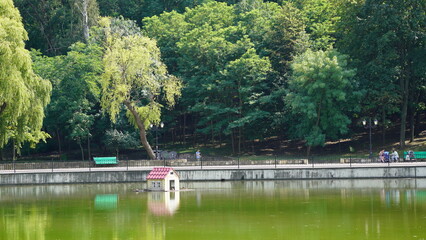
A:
(163, 203)
(163, 179)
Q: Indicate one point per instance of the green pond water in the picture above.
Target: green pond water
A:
(261, 210)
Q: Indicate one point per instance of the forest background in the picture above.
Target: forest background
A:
(229, 77)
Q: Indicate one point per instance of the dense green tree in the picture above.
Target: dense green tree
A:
(277, 32)
(286, 38)
(204, 37)
(201, 44)
(80, 125)
(51, 68)
(321, 18)
(245, 80)
(117, 140)
(135, 77)
(234, 59)
(136, 10)
(75, 95)
(320, 93)
(23, 94)
(388, 40)
(54, 25)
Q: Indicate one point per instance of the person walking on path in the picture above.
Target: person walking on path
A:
(198, 155)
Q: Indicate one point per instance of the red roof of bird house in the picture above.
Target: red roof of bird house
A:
(159, 173)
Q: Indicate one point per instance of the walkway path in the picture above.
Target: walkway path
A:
(287, 166)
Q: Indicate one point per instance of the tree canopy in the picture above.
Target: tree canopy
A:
(387, 39)
(244, 71)
(320, 90)
(135, 77)
(23, 94)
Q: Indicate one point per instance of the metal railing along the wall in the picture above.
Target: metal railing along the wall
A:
(192, 162)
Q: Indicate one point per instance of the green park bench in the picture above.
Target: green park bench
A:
(105, 160)
(417, 155)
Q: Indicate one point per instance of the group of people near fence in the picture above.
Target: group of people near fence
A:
(385, 156)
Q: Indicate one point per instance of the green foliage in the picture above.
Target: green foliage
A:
(76, 91)
(235, 59)
(135, 74)
(116, 139)
(257, 20)
(320, 18)
(387, 39)
(221, 52)
(319, 96)
(23, 94)
(285, 38)
(151, 114)
(383, 37)
(139, 9)
(248, 75)
(54, 25)
(80, 125)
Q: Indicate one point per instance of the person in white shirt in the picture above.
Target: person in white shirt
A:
(407, 157)
(395, 156)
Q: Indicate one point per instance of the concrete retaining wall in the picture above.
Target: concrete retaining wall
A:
(321, 173)
(72, 177)
(215, 175)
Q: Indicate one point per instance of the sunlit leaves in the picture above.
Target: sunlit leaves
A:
(23, 94)
(134, 72)
(136, 77)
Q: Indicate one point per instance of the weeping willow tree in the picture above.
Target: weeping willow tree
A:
(23, 94)
(136, 78)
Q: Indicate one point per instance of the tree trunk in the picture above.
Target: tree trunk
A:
(142, 132)
(308, 151)
(184, 129)
(383, 127)
(418, 120)
(340, 147)
(403, 114)
(194, 135)
(2, 107)
(14, 150)
(239, 140)
(82, 150)
(233, 142)
(404, 84)
(85, 20)
(89, 153)
(84, 17)
(173, 135)
(252, 146)
(412, 116)
(59, 142)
